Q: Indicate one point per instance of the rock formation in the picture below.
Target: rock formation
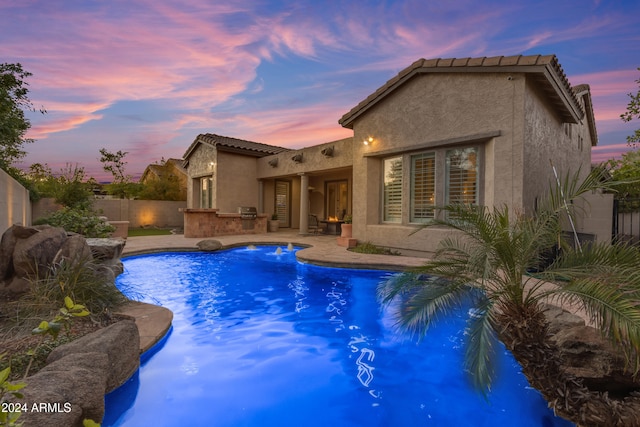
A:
(26, 253)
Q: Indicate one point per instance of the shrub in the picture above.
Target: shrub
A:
(79, 220)
(83, 280)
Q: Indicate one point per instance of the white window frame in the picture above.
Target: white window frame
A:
(392, 190)
(404, 195)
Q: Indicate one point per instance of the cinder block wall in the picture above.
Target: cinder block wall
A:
(15, 207)
(139, 213)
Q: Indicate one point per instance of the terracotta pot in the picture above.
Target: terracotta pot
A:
(346, 230)
(273, 225)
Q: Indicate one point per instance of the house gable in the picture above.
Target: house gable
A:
(543, 70)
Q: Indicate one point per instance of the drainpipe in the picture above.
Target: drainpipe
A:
(304, 204)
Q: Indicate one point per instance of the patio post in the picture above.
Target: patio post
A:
(304, 203)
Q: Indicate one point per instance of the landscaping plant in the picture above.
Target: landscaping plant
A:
(499, 260)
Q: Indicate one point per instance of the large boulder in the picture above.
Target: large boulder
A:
(71, 389)
(107, 252)
(120, 342)
(209, 245)
(7, 246)
(75, 248)
(33, 256)
(587, 355)
(106, 249)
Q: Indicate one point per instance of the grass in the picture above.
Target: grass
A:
(135, 232)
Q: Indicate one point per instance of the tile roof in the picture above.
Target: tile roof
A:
(235, 145)
(544, 68)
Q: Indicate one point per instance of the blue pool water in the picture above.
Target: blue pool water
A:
(259, 339)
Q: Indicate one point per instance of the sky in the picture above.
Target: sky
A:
(147, 76)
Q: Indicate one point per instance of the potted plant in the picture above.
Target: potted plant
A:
(346, 228)
(274, 222)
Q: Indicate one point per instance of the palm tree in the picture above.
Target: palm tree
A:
(500, 261)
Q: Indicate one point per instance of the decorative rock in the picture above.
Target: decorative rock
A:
(18, 286)
(74, 385)
(120, 342)
(106, 249)
(587, 355)
(33, 256)
(209, 245)
(560, 319)
(7, 244)
(75, 248)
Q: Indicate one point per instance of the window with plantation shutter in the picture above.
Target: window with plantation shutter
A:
(461, 184)
(392, 197)
(423, 187)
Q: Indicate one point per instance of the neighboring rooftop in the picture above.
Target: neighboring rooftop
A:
(234, 145)
(545, 69)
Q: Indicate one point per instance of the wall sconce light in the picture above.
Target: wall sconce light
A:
(273, 162)
(368, 141)
(327, 152)
(297, 158)
(212, 164)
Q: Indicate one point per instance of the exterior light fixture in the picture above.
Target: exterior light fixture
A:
(368, 141)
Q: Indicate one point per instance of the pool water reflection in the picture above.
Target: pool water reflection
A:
(259, 339)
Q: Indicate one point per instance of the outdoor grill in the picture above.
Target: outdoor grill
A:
(248, 215)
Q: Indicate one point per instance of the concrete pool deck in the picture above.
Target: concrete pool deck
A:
(153, 321)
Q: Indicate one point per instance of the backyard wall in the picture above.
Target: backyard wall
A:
(139, 213)
(15, 207)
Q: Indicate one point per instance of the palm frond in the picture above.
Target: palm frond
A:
(422, 299)
(481, 345)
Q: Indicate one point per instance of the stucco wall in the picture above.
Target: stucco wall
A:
(139, 213)
(550, 143)
(202, 162)
(435, 111)
(15, 207)
(312, 160)
(236, 183)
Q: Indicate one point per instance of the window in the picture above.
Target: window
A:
(392, 198)
(423, 187)
(461, 176)
(441, 176)
(206, 192)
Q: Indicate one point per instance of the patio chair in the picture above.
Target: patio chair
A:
(314, 224)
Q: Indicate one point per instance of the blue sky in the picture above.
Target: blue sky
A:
(147, 76)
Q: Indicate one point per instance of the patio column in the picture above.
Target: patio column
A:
(304, 204)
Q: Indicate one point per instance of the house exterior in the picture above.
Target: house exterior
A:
(171, 169)
(487, 131)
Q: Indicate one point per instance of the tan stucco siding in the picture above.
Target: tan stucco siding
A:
(202, 162)
(236, 183)
(550, 142)
(312, 160)
(429, 111)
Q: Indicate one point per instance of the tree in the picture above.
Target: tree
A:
(14, 125)
(70, 187)
(490, 261)
(162, 183)
(122, 185)
(633, 112)
(625, 172)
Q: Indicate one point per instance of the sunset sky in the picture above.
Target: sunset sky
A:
(147, 76)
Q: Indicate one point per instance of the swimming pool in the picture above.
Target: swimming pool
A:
(259, 339)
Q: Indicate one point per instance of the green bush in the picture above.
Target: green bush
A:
(79, 220)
